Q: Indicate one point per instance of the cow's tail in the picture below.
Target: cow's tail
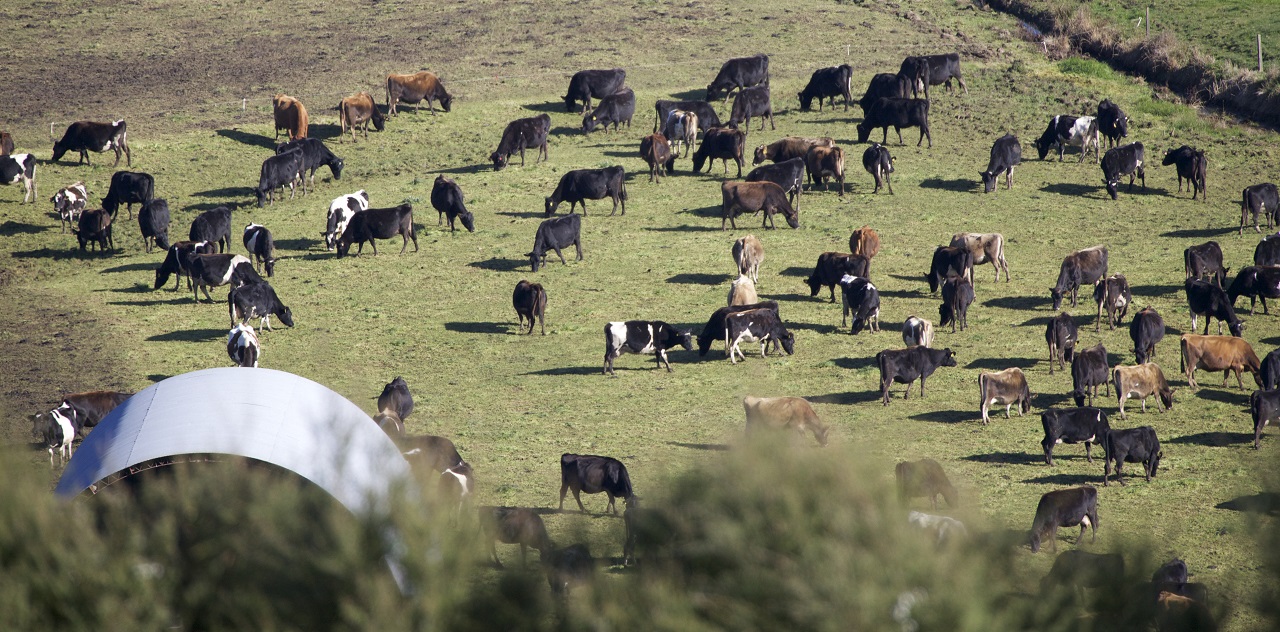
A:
(1182, 357)
(983, 380)
(624, 479)
(231, 307)
(623, 189)
(1255, 405)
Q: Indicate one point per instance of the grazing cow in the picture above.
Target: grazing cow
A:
(715, 327)
(1258, 198)
(261, 247)
(753, 101)
(594, 474)
(1061, 335)
(737, 198)
(1067, 130)
(514, 525)
(827, 83)
(722, 143)
(378, 223)
(614, 109)
(877, 161)
(20, 168)
(756, 325)
(1146, 329)
(68, 202)
(905, 366)
(178, 261)
(864, 241)
(833, 266)
(1006, 153)
(1112, 294)
(568, 567)
(458, 483)
(1204, 260)
(1207, 299)
(1219, 353)
(933, 70)
(314, 156)
(413, 88)
(739, 73)
(1118, 162)
(789, 175)
(896, 113)
(944, 527)
(1142, 381)
(56, 432)
(95, 228)
(395, 396)
(153, 221)
(356, 111)
(985, 248)
(85, 410)
(743, 291)
(217, 270)
(579, 185)
(957, 296)
(213, 226)
(707, 117)
(1134, 445)
(86, 136)
(681, 128)
(1112, 122)
(586, 84)
(949, 261)
(127, 188)
(242, 346)
(823, 163)
(1192, 167)
(643, 336)
(1256, 282)
(1179, 613)
(1081, 569)
(429, 453)
(1264, 407)
(1173, 572)
(556, 233)
(341, 210)
(862, 299)
(446, 199)
(1065, 508)
(924, 478)
(748, 253)
(917, 331)
(790, 147)
(884, 86)
(6, 143)
(1008, 387)
(257, 300)
(784, 413)
(656, 152)
(1267, 252)
(1271, 370)
(279, 171)
(530, 301)
(389, 422)
(522, 134)
(290, 115)
(1089, 370)
(1079, 268)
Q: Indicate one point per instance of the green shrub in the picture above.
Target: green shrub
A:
(1086, 68)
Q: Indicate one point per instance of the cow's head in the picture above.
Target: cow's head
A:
(589, 122)
(793, 216)
(468, 221)
(568, 103)
(788, 341)
(1122, 125)
(821, 435)
(806, 102)
(58, 150)
(1057, 298)
(815, 284)
(761, 155)
(379, 121)
(1166, 398)
(549, 206)
(948, 357)
(1237, 328)
(270, 266)
(1078, 395)
(535, 260)
(261, 196)
(446, 102)
(1155, 462)
(336, 167)
(864, 131)
(988, 181)
(1113, 187)
(715, 92)
(344, 245)
(1042, 146)
(286, 316)
(685, 337)
(499, 161)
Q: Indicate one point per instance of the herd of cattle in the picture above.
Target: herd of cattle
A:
(693, 129)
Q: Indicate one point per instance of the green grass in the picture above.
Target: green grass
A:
(441, 317)
(1226, 29)
(1086, 67)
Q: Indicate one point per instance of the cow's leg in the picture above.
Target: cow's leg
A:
(1088, 445)
(560, 254)
(522, 156)
(1008, 179)
(907, 394)
(899, 131)
(1264, 304)
(1238, 380)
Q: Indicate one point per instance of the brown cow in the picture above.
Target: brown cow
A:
(789, 147)
(1219, 353)
(1006, 387)
(753, 197)
(6, 144)
(356, 111)
(1142, 380)
(514, 525)
(924, 478)
(291, 116)
(1176, 613)
(864, 241)
(656, 151)
(784, 413)
(823, 163)
(985, 248)
(436, 454)
(414, 88)
(748, 252)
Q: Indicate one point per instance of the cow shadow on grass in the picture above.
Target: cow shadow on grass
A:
(324, 130)
(565, 131)
(699, 278)
(914, 278)
(1074, 189)
(501, 264)
(1027, 303)
(177, 300)
(900, 294)
(1274, 340)
(1155, 290)
(785, 297)
(945, 416)
(1044, 401)
(131, 267)
(11, 228)
(190, 335)
(256, 140)
(1038, 321)
(866, 362)
(488, 166)
(846, 399)
(581, 370)
(1234, 397)
(59, 254)
(999, 364)
(208, 206)
(1197, 233)
(518, 214)
(158, 377)
(556, 107)
(954, 184)
(225, 192)
(795, 271)
(626, 154)
(683, 228)
(814, 327)
(479, 327)
(1006, 458)
(302, 243)
(1266, 503)
(712, 447)
(1063, 479)
(707, 212)
(1213, 439)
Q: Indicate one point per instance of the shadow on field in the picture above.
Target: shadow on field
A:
(190, 335)
(699, 278)
(683, 228)
(131, 267)
(1019, 302)
(136, 288)
(1063, 479)
(1155, 290)
(1049, 400)
(297, 244)
(1074, 190)
(1267, 503)
(795, 271)
(177, 300)
(846, 399)
(624, 154)
(867, 362)
(11, 227)
(325, 130)
(468, 168)
(554, 107)
(1214, 439)
(814, 327)
(1197, 233)
(693, 95)
(208, 206)
(900, 293)
(533, 215)
(1274, 340)
(56, 254)
(580, 370)
(158, 377)
(506, 265)
(478, 328)
(715, 447)
(957, 184)
(785, 297)
(945, 416)
(257, 140)
(1038, 321)
(708, 212)
(914, 278)
(225, 192)
(1007, 458)
(999, 364)
(565, 131)
(1235, 396)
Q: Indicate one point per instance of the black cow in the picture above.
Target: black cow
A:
(643, 336)
(1192, 167)
(1264, 406)
(1204, 260)
(1066, 130)
(1207, 299)
(1146, 330)
(757, 325)
(739, 73)
(1113, 295)
(1065, 508)
(896, 113)
(884, 86)
(1125, 160)
(932, 70)
(556, 233)
(1112, 122)
(614, 109)
(1267, 252)
(904, 366)
(127, 188)
(579, 185)
(1271, 370)
(594, 474)
(1087, 425)
(1089, 370)
(257, 300)
(877, 161)
(86, 136)
(396, 396)
(379, 223)
(1134, 445)
(1078, 268)
(446, 198)
(1062, 335)
(586, 84)
(957, 296)
(833, 266)
(213, 226)
(707, 117)
(522, 134)
(279, 171)
(178, 261)
(261, 247)
(723, 143)
(788, 174)
(862, 299)
(1173, 572)
(217, 270)
(314, 156)
(1256, 282)
(530, 301)
(153, 221)
(20, 168)
(753, 101)
(949, 262)
(94, 229)
(1259, 198)
(827, 83)
(715, 327)
(1006, 153)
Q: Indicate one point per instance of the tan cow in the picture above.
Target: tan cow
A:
(784, 413)
(753, 197)
(1218, 353)
(356, 111)
(789, 147)
(1175, 613)
(290, 115)
(743, 292)
(413, 88)
(1006, 387)
(1142, 381)
(864, 241)
(985, 248)
(917, 331)
(823, 163)
(748, 253)
(514, 525)
(924, 478)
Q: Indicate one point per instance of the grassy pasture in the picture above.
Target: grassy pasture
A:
(1225, 29)
(441, 317)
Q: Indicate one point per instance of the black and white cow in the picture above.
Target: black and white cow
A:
(87, 136)
(69, 203)
(614, 109)
(1270, 372)
(1089, 370)
(1259, 198)
(261, 247)
(378, 223)
(1112, 122)
(896, 113)
(788, 174)
(1064, 130)
(522, 134)
(884, 86)
(20, 168)
(643, 336)
(1125, 160)
(957, 296)
(1061, 335)
(56, 430)
(756, 325)
(1065, 508)
(715, 327)
(1264, 406)
(1209, 300)
(681, 131)
(1085, 425)
(707, 117)
(1146, 330)
(877, 161)
(949, 261)
(1256, 282)
(178, 260)
(217, 270)
(1192, 166)
(341, 210)
(446, 198)
(314, 156)
(1112, 295)
(827, 83)
(1082, 267)
(862, 299)
(579, 185)
(1006, 153)
(586, 84)
(753, 101)
(279, 171)
(554, 234)
(213, 226)
(905, 366)
(1204, 260)
(128, 188)
(832, 267)
(395, 396)
(153, 221)
(739, 73)
(257, 300)
(1133, 445)
(242, 346)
